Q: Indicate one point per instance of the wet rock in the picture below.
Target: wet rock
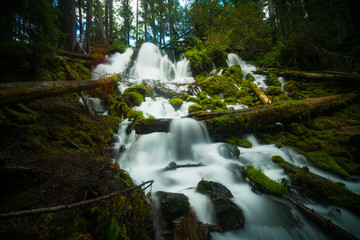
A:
(237, 171)
(213, 189)
(229, 151)
(172, 205)
(228, 215)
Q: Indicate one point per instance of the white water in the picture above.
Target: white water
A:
(118, 62)
(145, 157)
(246, 68)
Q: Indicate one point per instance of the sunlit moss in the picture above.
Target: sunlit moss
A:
(176, 103)
(264, 183)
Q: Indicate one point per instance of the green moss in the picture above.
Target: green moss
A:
(132, 114)
(123, 217)
(291, 86)
(193, 99)
(324, 161)
(176, 103)
(195, 108)
(185, 96)
(208, 104)
(277, 159)
(274, 90)
(136, 98)
(230, 101)
(240, 142)
(21, 114)
(140, 89)
(222, 121)
(202, 95)
(264, 183)
(250, 77)
(273, 80)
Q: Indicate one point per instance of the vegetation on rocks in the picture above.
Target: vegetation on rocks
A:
(264, 183)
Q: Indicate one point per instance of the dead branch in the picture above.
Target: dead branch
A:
(175, 166)
(73, 205)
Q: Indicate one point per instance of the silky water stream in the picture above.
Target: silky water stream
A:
(145, 157)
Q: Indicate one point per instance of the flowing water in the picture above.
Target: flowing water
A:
(146, 156)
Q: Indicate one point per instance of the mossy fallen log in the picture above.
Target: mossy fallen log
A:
(326, 75)
(223, 125)
(334, 192)
(76, 55)
(15, 92)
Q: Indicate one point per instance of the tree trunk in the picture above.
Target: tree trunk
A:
(88, 26)
(76, 55)
(107, 18)
(101, 26)
(15, 92)
(325, 75)
(224, 124)
(111, 20)
(80, 20)
(70, 24)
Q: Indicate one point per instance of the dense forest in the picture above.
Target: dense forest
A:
(265, 147)
(313, 35)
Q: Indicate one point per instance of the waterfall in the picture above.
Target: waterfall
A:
(118, 62)
(152, 63)
(145, 157)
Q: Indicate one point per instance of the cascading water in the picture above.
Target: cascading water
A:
(147, 156)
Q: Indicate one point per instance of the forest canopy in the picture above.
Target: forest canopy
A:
(314, 35)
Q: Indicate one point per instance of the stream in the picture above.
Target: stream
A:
(188, 141)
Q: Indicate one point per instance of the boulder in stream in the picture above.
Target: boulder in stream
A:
(172, 205)
(229, 151)
(229, 216)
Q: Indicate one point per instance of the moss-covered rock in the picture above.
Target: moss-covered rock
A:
(241, 142)
(132, 114)
(291, 86)
(172, 205)
(176, 103)
(141, 89)
(274, 90)
(264, 183)
(195, 108)
(273, 80)
(193, 99)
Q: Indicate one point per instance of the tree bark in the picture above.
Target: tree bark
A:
(15, 92)
(260, 94)
(70, 24)
(224, 124)
(101, 26)
(326, 75)
(88, 26)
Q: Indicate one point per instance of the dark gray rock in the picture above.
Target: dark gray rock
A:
(229, 151)
(172, 205)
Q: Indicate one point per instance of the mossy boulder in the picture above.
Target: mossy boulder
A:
(208, 104)
(195, 108)
(172, 205)
(193, 99)
(274, 90)
(241, 142)
(229, 151)
(249, 77)
(132, 114)
(176, 103)
(291, 86)
(213, 189)
(273, 80)
(140, 89)
(263, 183)
(220, 84)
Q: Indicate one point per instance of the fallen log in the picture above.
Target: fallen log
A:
(224, 124)
(326, 75)
(76, 55)
(260, 94)
(73, 205)
(15, 92)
